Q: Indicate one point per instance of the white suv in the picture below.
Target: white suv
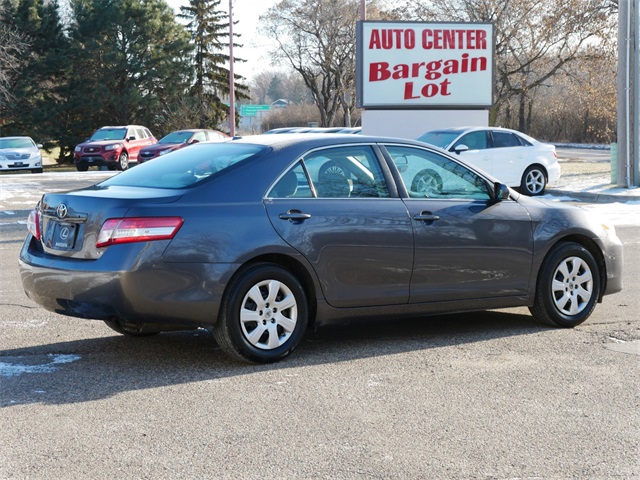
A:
(20, 153)
(512, 157)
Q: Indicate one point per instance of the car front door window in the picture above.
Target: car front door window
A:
(430, 175)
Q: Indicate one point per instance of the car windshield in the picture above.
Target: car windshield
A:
(186, 167)
(16, 143)
(176, 137)
(109, 134)
(439, 138)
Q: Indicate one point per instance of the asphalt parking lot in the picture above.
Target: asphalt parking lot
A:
(483, 395)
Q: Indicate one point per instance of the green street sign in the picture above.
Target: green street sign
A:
(252, 110)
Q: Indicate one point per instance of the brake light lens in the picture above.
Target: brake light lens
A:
(33, 223)
(138, 229)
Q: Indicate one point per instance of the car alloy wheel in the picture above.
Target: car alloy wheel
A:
(534, 181)
(123, 161)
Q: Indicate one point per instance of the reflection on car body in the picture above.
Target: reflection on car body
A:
(258, 238)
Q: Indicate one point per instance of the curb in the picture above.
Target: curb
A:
(593, 197)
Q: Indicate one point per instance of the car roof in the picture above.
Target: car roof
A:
(122, 126)
(471, 129)
(319, 139)
(16, 137)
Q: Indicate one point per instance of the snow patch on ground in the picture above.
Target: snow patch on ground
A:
(17, 366)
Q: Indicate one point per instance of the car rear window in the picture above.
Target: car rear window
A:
(187, 167)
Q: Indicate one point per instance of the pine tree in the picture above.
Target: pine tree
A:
(130, 63)
(38, 91)
(209, 29)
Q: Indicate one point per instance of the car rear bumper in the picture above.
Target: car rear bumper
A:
(554, 171)
(124, 285)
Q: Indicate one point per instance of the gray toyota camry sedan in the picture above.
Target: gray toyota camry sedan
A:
(260, 237)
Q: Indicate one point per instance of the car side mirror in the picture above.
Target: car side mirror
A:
(500, 192)
(39, 145)
(195, 141)
(460, 148)
(131, 138)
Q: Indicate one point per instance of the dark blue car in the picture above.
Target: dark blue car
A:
(260, 237)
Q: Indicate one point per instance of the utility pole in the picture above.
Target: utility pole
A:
(628, 161)
(232, 92)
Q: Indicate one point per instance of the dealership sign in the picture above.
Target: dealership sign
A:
(424, 65)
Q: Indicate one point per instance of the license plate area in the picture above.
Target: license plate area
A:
(61, 235)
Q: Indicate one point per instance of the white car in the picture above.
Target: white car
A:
(513, 157)
(20, 153)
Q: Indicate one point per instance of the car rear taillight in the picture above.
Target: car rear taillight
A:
(139, 229)
(33, 223)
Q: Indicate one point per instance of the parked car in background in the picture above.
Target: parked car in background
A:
(280, 130)
(112, 147)
(179, 139)
(260, 237)
(314, 130)
(20, 153)
(515, 158)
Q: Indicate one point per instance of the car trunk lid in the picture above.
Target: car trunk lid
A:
(70, 222)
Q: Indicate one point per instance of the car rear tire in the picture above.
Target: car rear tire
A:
(129, 329)
(264, 315)
(427, 182)
(534, 181)
(568, 286)
(123, 161)
(82, 167)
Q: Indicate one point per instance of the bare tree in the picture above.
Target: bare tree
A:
(316, 38)
(13, 45)
(535, 39)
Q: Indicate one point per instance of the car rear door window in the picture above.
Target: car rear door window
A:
(505, 139)
(346, 172)
(341, 172)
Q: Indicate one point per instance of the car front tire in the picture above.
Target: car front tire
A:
(82, 167)
(264, 315)
(534, 181)
(123, 161)
(568, 286)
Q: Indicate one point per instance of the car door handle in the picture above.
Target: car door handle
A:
(294, 216)
(426, 217)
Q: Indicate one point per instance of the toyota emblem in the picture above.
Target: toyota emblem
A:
(61, 211)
